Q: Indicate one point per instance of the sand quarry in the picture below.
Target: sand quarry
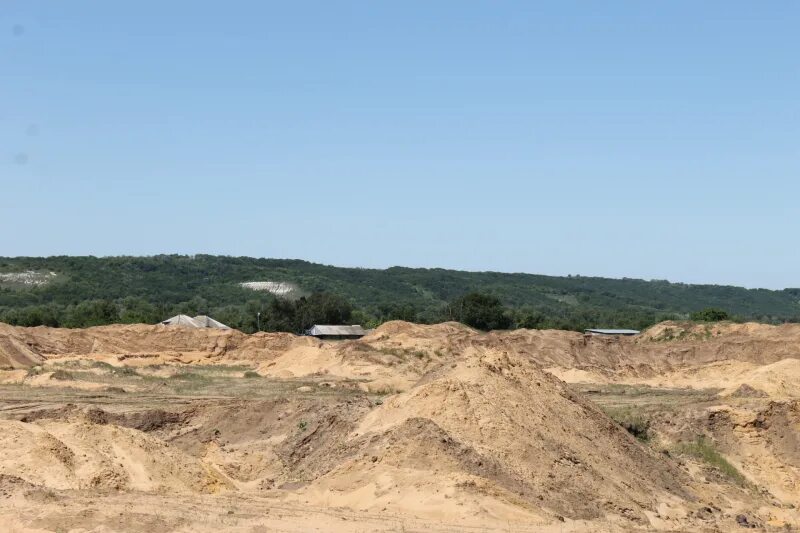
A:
(412, 428)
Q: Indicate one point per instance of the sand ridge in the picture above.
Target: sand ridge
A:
(439, 424)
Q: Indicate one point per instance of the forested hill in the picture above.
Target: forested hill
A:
(80, 291)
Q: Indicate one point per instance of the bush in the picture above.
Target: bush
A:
(62, 375)
(124, 371)
(634, 422)
(704, 450)
(480, 311)
(188, 376)
(710, 314)
(251, 374)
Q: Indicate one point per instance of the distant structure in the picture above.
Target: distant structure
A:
(336, 332)
(200, 321)
(612, 332)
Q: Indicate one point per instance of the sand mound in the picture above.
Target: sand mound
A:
(77, 454)
(400, 327)
(498, 433)
(664, 348)
(15, 353)
(382, 361)
(460, 426)
(399, 335)
(140, 344)
(673, 330)
(746, 391)
(778, 380)
(764, 443)
(119, 340)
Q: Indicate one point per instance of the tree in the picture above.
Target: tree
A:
(530, 319)
(91, 313)
(135, 310)
(322, 308)
(480, 311)
(710, 314)
(395, 311)
(280, 316)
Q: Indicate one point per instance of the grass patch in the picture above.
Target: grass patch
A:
(188, 376)
(224, 368)
(62, 375)
(185, 382)
(124, 371)
(632, 420)
(404, 353)
(704, 449)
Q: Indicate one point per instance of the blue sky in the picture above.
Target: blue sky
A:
(640, 139)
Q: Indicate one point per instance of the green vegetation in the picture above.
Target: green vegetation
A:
(632, 420)
(62, 375)
(710, 314)
(123, 371)
(704, 450)
(480, 311)
(88, 291)
(188, 376)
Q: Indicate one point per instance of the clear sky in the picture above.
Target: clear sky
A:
(640, 139)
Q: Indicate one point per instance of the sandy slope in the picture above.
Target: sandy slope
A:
(469, 428)
(498, 434)
(79, 454)
(778, 380)
(397, 354)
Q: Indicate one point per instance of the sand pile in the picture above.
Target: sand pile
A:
(140, 344)
(14, 352)
(675, 330)
(79, 454)
(778, 380)
(459, 426)
(129, 341)
(490, 434)
(386, 365)
(760, 439)
(407, 334)
(735, 353)
(397, 354)
(391, 358)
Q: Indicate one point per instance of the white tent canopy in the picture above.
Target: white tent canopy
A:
(208, 322)
(336, 331)
(200, 321)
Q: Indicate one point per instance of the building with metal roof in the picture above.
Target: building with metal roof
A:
(336, 332)
(623, 332)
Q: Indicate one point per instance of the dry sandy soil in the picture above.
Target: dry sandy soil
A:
(412, 428)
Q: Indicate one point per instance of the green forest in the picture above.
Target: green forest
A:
(68, 291)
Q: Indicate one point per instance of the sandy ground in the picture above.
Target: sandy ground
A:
(441, 428)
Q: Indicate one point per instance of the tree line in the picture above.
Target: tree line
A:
(87, 291)
(478, 310)
(272, 314)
